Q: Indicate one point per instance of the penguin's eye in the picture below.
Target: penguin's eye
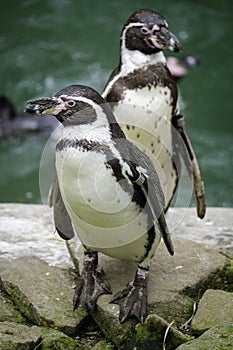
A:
(144, 30)
(70, 103)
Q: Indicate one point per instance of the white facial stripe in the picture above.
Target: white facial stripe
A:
(130, 25)
(135, 24)
(86, 100)
(76, 98)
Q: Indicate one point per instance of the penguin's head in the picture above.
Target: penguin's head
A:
(73, 105)
(147, 31)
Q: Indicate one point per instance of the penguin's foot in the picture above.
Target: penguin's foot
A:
(132, 300)
(90, 285)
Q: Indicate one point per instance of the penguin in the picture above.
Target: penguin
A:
(144, 98)
(180, 67)
(111, 192)
(14, 124)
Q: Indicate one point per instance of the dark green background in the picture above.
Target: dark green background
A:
(46, 45)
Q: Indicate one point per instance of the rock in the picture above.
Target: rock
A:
(43, 293)
(215, 230)
(172, 280)
(156, 333)
(215, 307)
(29, 230)
(8, 311)
(216, 338)
(102, 345)
(53, 339)
(14, 336)
(175, 282)
(121, 335)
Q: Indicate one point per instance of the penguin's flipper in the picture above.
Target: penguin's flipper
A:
(198, 185)
(61, 218)
(148, 186)
(148, 189)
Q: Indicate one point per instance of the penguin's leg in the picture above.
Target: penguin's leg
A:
(133, 300)
(90, 284)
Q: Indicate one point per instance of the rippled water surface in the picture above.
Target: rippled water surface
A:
(46, 45)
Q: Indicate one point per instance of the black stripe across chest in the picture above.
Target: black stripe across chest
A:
(82, 145)
(148, 76)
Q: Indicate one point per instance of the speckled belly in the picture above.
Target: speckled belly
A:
(144, 116)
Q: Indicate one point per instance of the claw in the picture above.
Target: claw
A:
(132, 300)
(90, 285)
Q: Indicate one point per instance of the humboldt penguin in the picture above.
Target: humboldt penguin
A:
(111, 192)
(144, 98)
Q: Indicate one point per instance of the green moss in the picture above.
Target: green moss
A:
(151, 334)
(8, 311)
(179, 309)
(122, 336)
(102, 345)
(56, 340)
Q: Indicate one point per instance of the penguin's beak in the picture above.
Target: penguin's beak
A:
(165, 40)
(45, 106)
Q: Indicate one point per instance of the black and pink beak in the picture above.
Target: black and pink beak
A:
(162, 39)
(45, 106)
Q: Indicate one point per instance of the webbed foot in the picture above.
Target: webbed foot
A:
(133, 300)
(90, 285)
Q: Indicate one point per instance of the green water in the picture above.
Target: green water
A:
(46, 45)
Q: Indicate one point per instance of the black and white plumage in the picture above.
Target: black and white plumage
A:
(144, 98)
(111, 192)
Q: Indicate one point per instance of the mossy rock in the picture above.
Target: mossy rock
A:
(102, 345)
(216, 338)
(215, 307)
(8, 312)
(42, 293)
(54, 339)
(152, 335)
(14, 336)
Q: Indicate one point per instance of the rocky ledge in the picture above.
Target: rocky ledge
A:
(190, 301)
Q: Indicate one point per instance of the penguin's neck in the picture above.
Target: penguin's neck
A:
(133, 59)
(91, 132)
(103, 129)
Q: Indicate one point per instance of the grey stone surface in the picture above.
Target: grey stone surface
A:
(172, 282)
(216, 338)
(29, 230)
(15, 336)
(215, 230)
(43, 293)
(214, 308)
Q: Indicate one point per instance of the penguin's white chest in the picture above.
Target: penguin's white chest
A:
(145, 117)
(101, 210)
